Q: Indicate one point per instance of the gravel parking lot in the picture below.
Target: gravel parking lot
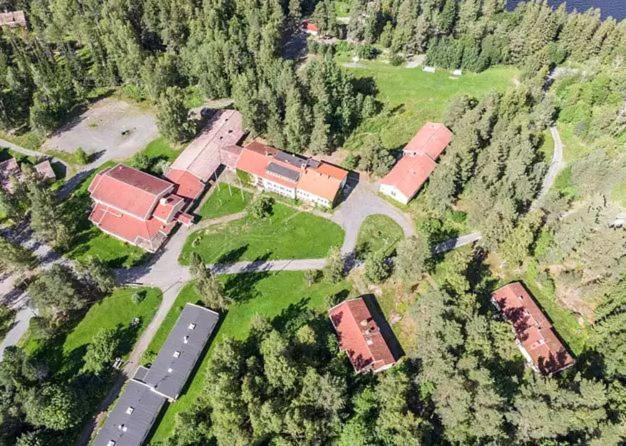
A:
(111, 128)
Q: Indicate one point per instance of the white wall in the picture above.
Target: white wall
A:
(394, 193)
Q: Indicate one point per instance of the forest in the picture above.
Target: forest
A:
(287, 383)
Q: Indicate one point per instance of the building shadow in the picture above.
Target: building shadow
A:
(385, 329)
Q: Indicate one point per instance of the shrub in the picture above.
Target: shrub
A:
(81, 156)
(396, 60)
(138, 297)
(262, 207)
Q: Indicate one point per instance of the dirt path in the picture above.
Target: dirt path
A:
(556, 165)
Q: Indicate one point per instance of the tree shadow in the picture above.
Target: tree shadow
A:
(233, 255)
(383, 325)
(293, 317)
(242, 287)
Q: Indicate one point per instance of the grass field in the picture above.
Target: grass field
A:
(378, 232)
(159, 149)
(286, 234)
(65, 352)
(412, 97)
(225, 200)
(573, 147)
(280, 296)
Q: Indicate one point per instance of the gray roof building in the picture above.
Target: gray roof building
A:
(178, 356)
(131, 420)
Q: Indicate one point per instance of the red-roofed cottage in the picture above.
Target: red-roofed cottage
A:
(360, 337)
(136, 207)
(417, 162)
(310, 28)
(293, 176)
(535, 335)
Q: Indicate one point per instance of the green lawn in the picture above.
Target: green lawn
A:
(225, 200)
(287, 234)
(66, 351)
(378, 232)
(412, 97)
(281, 295)
(159, 149)
(573, 147)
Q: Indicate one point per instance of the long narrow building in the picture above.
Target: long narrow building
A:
(134, 414)
(534, 334)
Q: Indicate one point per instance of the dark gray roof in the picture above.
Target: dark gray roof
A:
(282, 171)
(131, 429)
(291, 159)
(178, 356)
(140, 373)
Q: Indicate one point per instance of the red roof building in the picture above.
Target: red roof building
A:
(203, 156)
(310, 28)
(535, 335)
(360, 337)
(13, 19)
(293, 176)
(410, 173)
(136, 207)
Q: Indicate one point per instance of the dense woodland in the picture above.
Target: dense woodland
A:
(287, 383)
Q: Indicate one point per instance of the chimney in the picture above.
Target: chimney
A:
(163, 201)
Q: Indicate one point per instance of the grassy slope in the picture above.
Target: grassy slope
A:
(287, 234)
(115, 310)
(225, 200)
(413, 97)
(266, 294)
(378, 232)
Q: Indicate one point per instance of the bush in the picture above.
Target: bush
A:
(262, 207)
(81, 156)
(138, 297)
(396, 60)
(366, 52)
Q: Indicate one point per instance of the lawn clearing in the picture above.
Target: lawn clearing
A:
(573, 147)
(412, 97)
(225, 200)
(286, 234)
(159, 149)
(65, 352)
(282, 294)
(378, 232)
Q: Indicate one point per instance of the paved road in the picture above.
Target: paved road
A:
(457, 242)
(556, 165)
(362, 202)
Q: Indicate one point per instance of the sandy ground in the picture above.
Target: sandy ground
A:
(111, 128)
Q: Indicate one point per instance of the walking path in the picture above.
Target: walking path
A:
(556, 165)
(28, 152)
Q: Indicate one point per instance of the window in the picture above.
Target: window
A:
(122, 427)
(191, 326)
(170, 370)
(176, 354)
(111, 443)
(130, 410)
(186, 339)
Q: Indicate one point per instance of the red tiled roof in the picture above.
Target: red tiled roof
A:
(316, 177)
(187, 185)
(360, 337)
(532, 328)
(167, 207)
(430, 140)
(129, 190)
(148, 234)
(409, 174)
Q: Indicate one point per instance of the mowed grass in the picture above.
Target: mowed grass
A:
(114, 311)
(411, 97)
(159, 149)
(279, 295)
(225, 200)
(378, 232)
(286, 234)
